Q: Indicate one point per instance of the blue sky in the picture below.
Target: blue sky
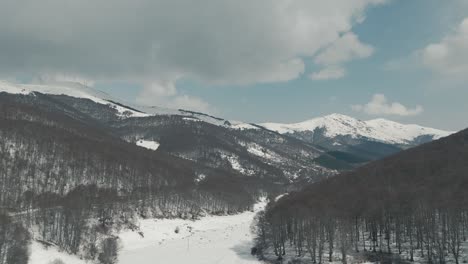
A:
(404, 60)
(395, 29)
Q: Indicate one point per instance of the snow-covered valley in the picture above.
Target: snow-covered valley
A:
(211, 239)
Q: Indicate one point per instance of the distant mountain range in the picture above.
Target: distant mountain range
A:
(303, 151)
(355, 141)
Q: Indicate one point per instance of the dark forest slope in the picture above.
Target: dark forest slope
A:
(413, 203)
(435, 173)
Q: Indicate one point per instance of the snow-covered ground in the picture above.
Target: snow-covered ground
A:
(149, 144)
(209, 240)
(212, 239)
(42, 255)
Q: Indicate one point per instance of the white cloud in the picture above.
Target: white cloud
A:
(165, 94)
(330, 72)
(216, 41)
(379, 105)
(344, 49)
(161, 88)
(61, 78)
(449, 57)
(159, 41)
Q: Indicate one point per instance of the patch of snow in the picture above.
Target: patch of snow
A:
(149, 144)
(378, 129)
(280, 196)
(191, 119)
(259, 151)
(242, 126)
(235, 164)
(200, 178)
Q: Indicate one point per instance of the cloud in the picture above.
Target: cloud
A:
(330, 72)
(344, 49)
(379, 105)
(165, 94)
(212, 41)
(61, 78)
(449, 57)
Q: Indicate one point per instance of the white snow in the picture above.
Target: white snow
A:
(149, 144)
(280, 196)
(200, 178)
(235, 164)
(42, 255)
(212, 239)
(378, 129)
(259, 151)
(242, 126)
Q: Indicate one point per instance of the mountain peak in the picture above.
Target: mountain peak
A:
(380, 129)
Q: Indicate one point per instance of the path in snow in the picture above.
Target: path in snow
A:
(210, 240)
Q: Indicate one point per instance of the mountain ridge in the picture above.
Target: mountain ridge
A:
(379, 129)
(334, 142)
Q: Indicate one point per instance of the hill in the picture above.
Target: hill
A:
(413, 204)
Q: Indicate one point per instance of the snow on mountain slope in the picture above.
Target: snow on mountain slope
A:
(378, 129)
(125, 109)
(401, 132)
(70, 89)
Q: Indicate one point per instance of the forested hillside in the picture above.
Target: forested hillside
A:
(410, 206)
(72, 180)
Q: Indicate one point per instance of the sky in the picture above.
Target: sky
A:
(255, 61)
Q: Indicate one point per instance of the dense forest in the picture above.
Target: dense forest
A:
(407, 207)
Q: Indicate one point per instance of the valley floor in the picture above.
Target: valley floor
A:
(210, 240)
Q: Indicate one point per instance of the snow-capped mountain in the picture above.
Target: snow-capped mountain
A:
(306, 150)
(379, 130)
(214, 142)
